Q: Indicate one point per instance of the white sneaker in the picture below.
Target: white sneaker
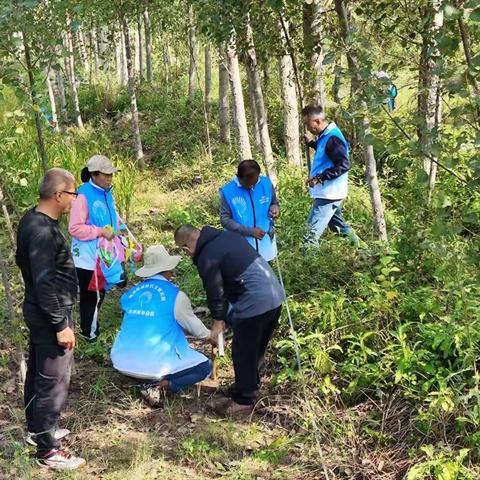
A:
(60, 460)
(59, 434)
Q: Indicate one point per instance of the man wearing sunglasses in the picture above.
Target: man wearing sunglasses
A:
(44, 258)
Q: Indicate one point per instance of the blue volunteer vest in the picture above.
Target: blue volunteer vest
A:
(101, 213)
(337, 188)
(150, 343)
(250, 207)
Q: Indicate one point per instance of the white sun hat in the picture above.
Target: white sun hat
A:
(157, 260)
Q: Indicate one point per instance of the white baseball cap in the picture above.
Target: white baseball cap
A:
(102, 164)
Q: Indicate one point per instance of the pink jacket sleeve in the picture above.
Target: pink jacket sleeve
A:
(77, 225)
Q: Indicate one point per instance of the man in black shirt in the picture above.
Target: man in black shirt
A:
(43, 256)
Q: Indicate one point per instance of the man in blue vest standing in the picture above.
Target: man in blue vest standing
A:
(328, 176)
(248, 206)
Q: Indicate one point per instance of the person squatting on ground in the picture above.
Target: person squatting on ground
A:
(249, 206)
(328, 176)
(94, 217)
(44, 258)
(239, 285)
(151, 344)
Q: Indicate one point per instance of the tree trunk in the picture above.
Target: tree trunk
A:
(167, 61)
(133, 96)
(253, 109)
(61, 95)
(103, 50)
(94, 50)
(141, 60)
(123, 58)
(83, 51)
(8, 221)
(35, 106)
(252, 66)
(429, 85)
(238, 104)
(468, 57)
(290, 105)
(337, 81)
(192, 47)
(432, 176)
(119, 56)
(136, 49)
(313, 16)
(50, 77)
(223, 97)
(208, 77)
(148, 44)
(71, 76)
(364, 126)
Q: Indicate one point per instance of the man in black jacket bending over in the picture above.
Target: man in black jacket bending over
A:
(234, 273)
(44, 258)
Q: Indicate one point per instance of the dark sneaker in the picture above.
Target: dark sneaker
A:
(59, 434)
(60, 460)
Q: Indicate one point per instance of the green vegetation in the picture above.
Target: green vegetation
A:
(389, 334)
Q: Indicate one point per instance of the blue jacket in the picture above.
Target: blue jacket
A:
(250, 207)
(336, 188)
(101, 213)
(150, 343)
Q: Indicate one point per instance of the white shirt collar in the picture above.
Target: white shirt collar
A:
(328, 129)
(158, 276)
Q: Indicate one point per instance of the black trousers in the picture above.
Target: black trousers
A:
(47, 380)
(250, 340)
(88, 305)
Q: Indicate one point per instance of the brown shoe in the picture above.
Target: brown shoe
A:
(233, 409)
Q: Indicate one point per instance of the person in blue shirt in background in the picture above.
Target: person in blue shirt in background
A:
(249, 206)
(328, 176)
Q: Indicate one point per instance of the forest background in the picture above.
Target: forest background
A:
(176, 93)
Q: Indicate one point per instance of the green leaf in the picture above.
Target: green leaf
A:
(23, 182)
(452, 12)
(476, 60)
(422, 177)
(329, 58)
(30, 3)
(475, 15)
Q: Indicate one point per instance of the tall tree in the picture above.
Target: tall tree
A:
(133, 94)
(429, 90)
(313, 17)
(252, 66)
(208, 76)
(148, 44)
(380, 226)
(50, 79)
(238, 103)
(70, 67)
(223, 96)
(290, 102)
(193, 50)
(33, 97)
